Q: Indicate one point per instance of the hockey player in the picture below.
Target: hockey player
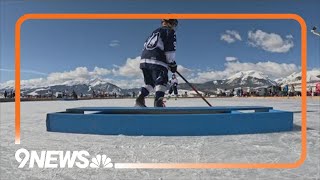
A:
(157, 57)
(173, 86)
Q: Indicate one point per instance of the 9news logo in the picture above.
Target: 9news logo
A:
(61, 159)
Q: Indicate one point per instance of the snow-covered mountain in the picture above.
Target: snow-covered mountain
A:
(103, 85)
(249, 79)
(79, 87)
(295, 78)
(241, 79)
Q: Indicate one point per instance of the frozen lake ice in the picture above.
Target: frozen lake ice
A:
(284, 147)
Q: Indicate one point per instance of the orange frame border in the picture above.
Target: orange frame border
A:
(295, 17)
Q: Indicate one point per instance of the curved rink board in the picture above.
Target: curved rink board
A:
(173, 121)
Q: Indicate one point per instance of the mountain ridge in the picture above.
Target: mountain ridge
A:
(249, 78)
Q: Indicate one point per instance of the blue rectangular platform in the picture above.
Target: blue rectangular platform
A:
(170, 121)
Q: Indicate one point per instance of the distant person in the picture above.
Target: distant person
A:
(317, 92)
(309, 92)
(238, 92)
(292, 90)
(286, 89)
(173, 82)
(157, 57)
(5, 94)
(65, 94)
(232, 92)
(93, 94)
(74, 95)
(270, 92)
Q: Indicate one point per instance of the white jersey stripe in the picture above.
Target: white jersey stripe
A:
(151, 61)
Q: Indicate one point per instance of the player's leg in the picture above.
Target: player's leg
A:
(146, 89)
(161, 80)
(170, 92)
(175, 90)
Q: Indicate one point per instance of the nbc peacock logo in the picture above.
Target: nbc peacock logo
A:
(101, 161)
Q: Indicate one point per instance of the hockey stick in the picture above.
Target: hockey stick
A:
(193, 88)
(315, 33)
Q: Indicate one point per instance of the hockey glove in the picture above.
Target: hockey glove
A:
(173, 67)
(314, 28)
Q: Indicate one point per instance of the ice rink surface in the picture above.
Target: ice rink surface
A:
(282, 147)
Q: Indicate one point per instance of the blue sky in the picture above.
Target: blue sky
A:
(50, 47)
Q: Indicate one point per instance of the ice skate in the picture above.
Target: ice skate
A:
(140, 102)
(159, 103)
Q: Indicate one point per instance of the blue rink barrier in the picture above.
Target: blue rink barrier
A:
(170, 121)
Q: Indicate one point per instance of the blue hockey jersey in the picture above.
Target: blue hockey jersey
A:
(159, 49)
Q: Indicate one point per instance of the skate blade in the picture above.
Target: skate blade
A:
(139, 105)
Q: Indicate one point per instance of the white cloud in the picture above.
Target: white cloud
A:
(100, 71)
(289, 36)
(231, 59)
(130, 69)
(30, 83)
(270, 42)
(129, 75)
(80, 74)
(184, 70)
(230, 36)
(272, 69)
(114, 43)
